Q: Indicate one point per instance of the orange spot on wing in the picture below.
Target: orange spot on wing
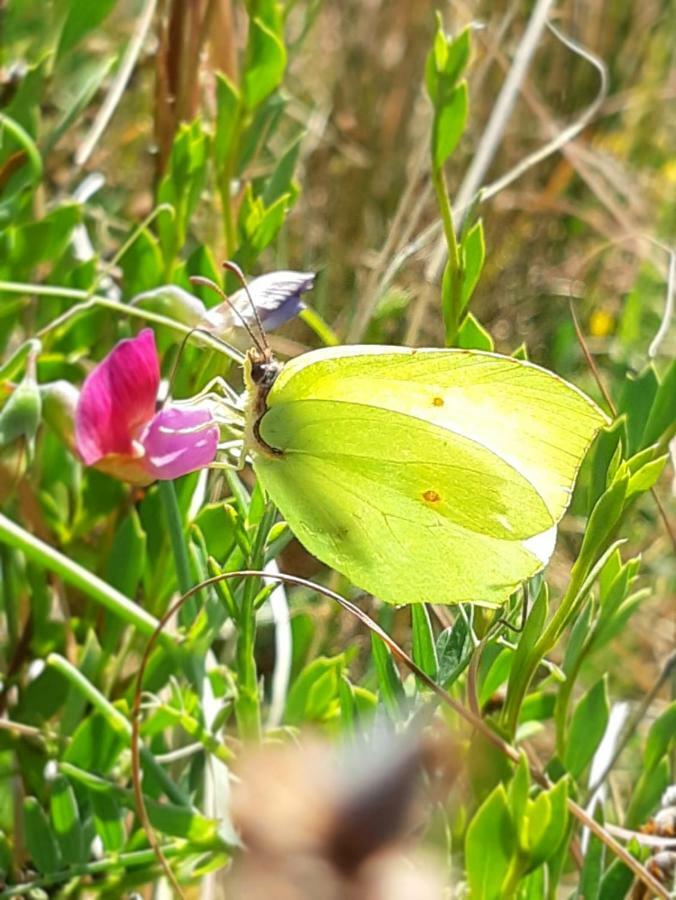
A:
(431, 496)
(437, 401)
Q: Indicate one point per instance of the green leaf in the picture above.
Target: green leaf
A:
(227, 115)
(473, 251)
(496, 674)
(635, 402)
(127, 558)
(182, 186)
(519, 788)
(593, 865)
(314, 695)
(652, 783)
(423, 649)
(647, 476)
(662, 734)
(40, 840)
(601, 455)
(83, 17)
(265, 64)
(449, 124)
(602, 522)
(547, 823)
(108, 820)
(661, 423)
(95, 745)
(587, 727)
(454, 649)
(281, 180)
(473, 336)
(66, 823)
(489, 847)
(445, 62)
(389, 682)
(616, 881)
(88, 79)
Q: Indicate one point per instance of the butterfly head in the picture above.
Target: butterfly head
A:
(261, 369)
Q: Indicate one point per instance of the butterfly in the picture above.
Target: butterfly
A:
(422, 475)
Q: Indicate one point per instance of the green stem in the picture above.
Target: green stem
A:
(116, 721)
(247, 705)
(441, 190)
(89, 302)
(134, 859)
(94, 587)
(451, 304)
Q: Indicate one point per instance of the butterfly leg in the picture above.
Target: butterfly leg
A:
(210, 389)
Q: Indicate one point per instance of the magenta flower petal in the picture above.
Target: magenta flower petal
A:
(173, 448)
(118, 399)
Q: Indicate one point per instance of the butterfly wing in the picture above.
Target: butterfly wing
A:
(404, 508)
(532, 419)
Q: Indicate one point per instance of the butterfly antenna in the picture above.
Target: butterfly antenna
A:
(231, 266)
(208, 283)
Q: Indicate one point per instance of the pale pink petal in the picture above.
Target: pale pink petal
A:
(118, 399)
(179, 440)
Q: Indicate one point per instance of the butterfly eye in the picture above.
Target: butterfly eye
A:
(264, 373)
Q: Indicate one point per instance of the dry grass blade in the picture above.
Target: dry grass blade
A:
(472, 718)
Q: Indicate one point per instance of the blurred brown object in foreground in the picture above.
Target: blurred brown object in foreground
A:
(320, 823)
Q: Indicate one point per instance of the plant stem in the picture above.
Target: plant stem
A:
(94, 587)
(134, 859)
(451, 298)
(116, 721)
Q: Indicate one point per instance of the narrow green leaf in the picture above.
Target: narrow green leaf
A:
(547, 824)
(82, 19)
(473, 336)
(490, 844)
(662, 734)
(635, 402)
(587, 727)
(661, 423)
(108, 820)
(593, 865)
(389, 682)
(424, 651)
(127, 555)
(496, 675)
(652, 783)
(314, 693)
(40, 840)
(449, 124)
(648, 475)
(602, 522)
(473, 251)
(65, 818)
(454, 650)
(603, 450)
(616, 881)
(518, 791)
(265, 65)
(227, 114)
(281, 180)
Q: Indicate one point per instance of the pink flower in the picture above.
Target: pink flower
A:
(118, 430)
